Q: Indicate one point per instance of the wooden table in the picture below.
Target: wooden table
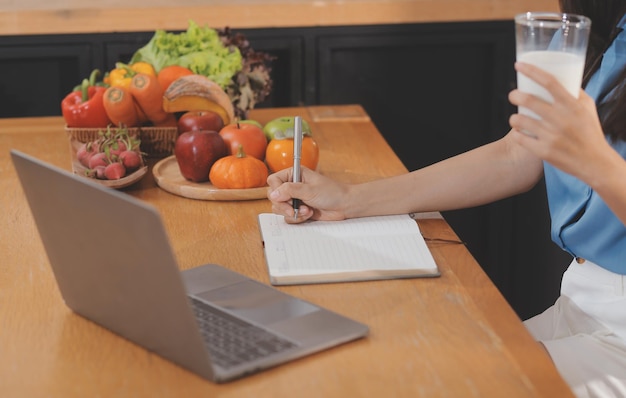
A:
(453, 336)
(78, 16)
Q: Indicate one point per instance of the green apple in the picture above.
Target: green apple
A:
(250, 121)
(282, 127)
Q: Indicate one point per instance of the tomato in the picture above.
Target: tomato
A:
(249, 136)
(279, 153)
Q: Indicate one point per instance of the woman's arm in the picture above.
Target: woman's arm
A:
(483, 175)
(488, 173)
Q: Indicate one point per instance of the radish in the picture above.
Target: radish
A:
(85, 152)
(99, 171)
(130, 159)
(111, 156)
(117, 147)
(114, 171)
(98, 159)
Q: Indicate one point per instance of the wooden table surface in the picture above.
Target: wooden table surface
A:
(453, 336)
(79, 16)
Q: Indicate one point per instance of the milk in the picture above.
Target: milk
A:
(566, 67)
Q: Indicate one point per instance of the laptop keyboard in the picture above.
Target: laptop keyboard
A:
(232, 341)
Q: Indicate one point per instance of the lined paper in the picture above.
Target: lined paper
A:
(379, 246)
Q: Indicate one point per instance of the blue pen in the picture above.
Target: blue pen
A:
(297, 154)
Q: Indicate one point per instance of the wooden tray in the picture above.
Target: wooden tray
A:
(167, 176)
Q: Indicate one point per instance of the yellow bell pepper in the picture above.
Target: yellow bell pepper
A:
(123, 74)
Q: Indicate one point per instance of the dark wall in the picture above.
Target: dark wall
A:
(433, 90)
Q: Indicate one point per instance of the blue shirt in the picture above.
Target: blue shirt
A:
(581, 223)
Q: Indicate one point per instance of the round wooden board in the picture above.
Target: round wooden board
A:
(167, 176)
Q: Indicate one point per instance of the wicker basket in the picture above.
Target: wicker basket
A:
(156, 142)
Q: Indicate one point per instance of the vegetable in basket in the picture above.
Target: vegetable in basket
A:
(84, 106)
(222, 57)
(122, 75)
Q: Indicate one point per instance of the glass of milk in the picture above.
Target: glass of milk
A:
(556, 43)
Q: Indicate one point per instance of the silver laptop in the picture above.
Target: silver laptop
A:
(114, 265)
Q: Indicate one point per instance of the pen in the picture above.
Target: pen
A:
(297, 154)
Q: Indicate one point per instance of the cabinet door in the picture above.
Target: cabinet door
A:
(441, 86)
(35, 77)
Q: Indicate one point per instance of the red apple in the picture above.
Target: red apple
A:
(196, 151)
(200, 120)
(248, 135)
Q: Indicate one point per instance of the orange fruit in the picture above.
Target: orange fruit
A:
(168, 74)
(279, 153)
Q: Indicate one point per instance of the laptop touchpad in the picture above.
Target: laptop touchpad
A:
(257, 302)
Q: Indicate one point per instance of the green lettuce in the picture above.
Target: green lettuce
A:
(198, 48)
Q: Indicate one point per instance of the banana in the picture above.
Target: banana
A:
(196, 93)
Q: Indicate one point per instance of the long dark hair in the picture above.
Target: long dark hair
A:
(604, 15)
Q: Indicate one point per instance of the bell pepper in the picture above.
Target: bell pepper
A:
(123, 74)
(84, 107)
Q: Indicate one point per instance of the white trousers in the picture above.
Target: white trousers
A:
(585, 331)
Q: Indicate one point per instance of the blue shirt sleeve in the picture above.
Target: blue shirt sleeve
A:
(581, 223)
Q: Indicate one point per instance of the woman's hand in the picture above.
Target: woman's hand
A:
(322, 198)
(569, 134)
(570, 137)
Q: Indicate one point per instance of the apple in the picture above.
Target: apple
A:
(200, 120)
(196, 151)
(250, 121)
(247, 135)
(282, 127)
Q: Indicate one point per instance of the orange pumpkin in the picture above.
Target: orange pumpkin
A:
(238, 172)
(279, 153)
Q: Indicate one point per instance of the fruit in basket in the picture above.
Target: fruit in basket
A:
(168, 74)
(196, 151)
(198, 93)
(238, 171)
(283, 127)
(245, 135)
(199, 120)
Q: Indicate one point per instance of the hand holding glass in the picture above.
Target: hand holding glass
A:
(556, 43)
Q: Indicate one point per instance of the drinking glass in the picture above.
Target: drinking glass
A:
(556, 43)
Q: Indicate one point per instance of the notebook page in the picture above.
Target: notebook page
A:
(323, 247)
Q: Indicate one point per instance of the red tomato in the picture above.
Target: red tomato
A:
(279, 153)
(249, 136)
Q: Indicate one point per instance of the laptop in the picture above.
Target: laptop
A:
(114, 265)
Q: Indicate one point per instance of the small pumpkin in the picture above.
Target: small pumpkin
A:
(238, 172)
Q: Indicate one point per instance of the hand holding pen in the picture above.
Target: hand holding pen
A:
(297, 155)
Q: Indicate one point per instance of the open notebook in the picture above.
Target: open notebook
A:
(369, 248)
